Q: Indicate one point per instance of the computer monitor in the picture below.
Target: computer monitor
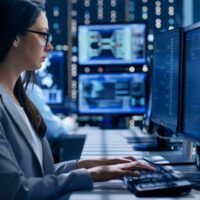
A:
(191, 84)
(165, 90)
(166, 79)
(112, 44)
(112, 93)
(50, 77)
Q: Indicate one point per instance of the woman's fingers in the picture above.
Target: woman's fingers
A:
(131, 173)
(118, 160)
(131, 158)
(143, 165)
(137, 165)
(107, 172)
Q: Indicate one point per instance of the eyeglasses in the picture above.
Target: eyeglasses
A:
(48, 37)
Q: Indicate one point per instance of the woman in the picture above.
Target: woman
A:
(26, 166)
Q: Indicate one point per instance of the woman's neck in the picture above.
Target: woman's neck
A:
(8, 78)
(9, 75)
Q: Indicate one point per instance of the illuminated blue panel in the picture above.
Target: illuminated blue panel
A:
(112, 44)
(166, 78)
(191, 95)
(112, 93)
(50, 77)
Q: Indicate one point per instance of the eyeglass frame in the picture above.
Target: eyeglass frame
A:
(48, 35)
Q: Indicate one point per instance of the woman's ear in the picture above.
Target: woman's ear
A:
(16, 42)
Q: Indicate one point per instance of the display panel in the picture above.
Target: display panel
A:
(191, 83)
(112, 93)
(50, 77)
(166, 78)
(106, 44)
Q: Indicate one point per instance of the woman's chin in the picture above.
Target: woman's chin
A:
(38, 66)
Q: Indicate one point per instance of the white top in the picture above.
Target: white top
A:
(34, 138)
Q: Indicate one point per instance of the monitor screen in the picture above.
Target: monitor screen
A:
(50, 77)
(112, 93)
(191, 83)
(112, 44)
(166, 78)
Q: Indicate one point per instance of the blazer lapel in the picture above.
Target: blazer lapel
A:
(14, 113)
(48, 162)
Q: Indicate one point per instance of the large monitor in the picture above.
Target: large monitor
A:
(112, 44)
(50, 77)
(112, 93)
(191, 83)
(166, 79)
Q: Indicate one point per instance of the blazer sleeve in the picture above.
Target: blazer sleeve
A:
(65, 167)
(15, 185)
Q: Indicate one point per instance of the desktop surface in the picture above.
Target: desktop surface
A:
(100, 143)
(108, 191)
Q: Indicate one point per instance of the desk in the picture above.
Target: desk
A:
(116, 191)
(112, 143)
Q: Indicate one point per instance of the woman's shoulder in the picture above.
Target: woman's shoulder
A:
(1, 89)
(4, 101)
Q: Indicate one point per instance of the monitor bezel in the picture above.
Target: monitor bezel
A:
(182, 132)
(156, 120)
(114, 113)
(114, 23)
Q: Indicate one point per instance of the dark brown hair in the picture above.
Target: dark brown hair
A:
(17, 16)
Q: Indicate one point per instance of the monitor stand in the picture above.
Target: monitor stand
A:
(187, 150)
(184, 157)
(192, 175)
(160, 144)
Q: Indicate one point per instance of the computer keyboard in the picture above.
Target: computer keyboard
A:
(164, 181)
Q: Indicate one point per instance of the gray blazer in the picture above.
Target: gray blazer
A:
(21, 174)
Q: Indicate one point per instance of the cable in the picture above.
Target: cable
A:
(166, 137)
(162, 137)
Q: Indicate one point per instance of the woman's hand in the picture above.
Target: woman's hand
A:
(117, 160)
(105, 173)
(89, 163)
